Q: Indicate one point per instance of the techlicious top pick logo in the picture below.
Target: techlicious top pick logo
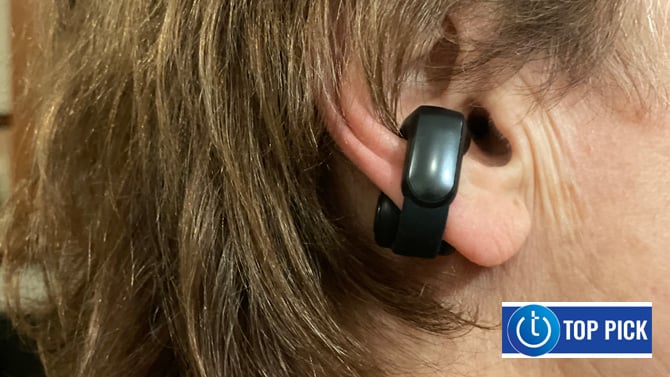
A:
(577, 329)
(533, 330)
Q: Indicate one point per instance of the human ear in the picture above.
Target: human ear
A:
(488, 221)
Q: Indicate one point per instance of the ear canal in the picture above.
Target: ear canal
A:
(490, 147)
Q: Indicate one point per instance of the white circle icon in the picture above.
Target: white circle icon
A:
(533, 332)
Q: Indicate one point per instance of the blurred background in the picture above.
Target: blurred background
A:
(5, 96)
(16, 356)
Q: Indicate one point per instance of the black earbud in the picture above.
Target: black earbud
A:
(436, 144)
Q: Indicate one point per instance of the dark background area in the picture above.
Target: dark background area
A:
(16, 356)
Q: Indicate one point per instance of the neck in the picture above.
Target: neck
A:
(597, 265)
(478, 352)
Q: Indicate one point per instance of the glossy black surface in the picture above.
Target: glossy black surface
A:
(436, 141)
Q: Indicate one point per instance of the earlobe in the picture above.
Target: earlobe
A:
(488, 221)
(487, 227)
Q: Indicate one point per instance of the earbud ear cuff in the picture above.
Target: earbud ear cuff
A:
(437, 139)
(386, 225)
(386, 221)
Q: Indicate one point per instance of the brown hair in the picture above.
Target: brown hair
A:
(179, 205)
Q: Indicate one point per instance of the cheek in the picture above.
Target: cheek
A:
(607, 168)
(621, 172)
(613, 163)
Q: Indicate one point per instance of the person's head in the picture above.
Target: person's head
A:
(204, 177)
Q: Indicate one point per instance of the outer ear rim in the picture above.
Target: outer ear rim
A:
(370, 142)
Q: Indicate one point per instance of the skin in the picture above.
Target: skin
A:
(578, 213)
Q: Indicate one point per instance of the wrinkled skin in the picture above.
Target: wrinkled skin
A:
(577, 211)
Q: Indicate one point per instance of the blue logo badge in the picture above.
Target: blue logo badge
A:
(533, 330)
(577, 329)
